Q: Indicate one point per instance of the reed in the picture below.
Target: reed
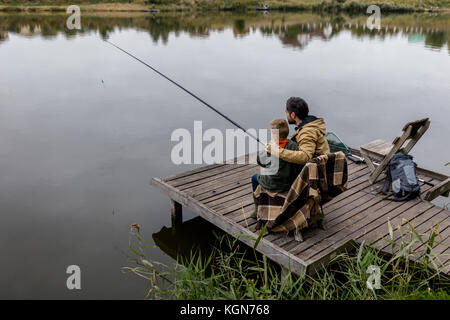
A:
(231, 270)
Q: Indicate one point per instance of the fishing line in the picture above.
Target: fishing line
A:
(184, 89)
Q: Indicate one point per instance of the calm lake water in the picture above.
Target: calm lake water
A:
(84, 128)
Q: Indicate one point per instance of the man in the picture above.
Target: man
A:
(309, 134)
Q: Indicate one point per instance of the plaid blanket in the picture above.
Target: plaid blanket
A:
(321, 179)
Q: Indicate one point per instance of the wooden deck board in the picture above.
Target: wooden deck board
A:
(231, 181)
(222, 195)
(420, 223)
(211, 180)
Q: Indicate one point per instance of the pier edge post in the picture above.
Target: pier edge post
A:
(176, 213)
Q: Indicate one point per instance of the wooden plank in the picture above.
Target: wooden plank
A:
(220, 178)
(224, 195)
(353, 195)
(242, 213)
(373, 144)
(401, 227)
(442, 250)
(355, 168)
(419, 222)
(246, 196)
(245, 190)
(289, 245)
(249, 224)
(277, 254)
(438, 189)
(377, 237)
(346, 197)
(441, 253)
(362, 171)
(283, 240)
(354, 207)
(231, 178)
(235, 160)
(382, 148)
(320, 261)
(201, 194)
(354, 187)
(442, 266)
(357, 225)
(225, 209)
(203, 175)
(443, 229)
(337, 221)
(193, 171)
(446, 269)
(203, 179)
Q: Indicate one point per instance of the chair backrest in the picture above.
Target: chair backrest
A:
(416, 125)
(412, 131)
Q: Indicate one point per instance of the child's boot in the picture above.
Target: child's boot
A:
(255, 212)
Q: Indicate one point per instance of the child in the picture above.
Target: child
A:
(287, 172)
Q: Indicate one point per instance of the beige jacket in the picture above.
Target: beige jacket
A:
(311, 142)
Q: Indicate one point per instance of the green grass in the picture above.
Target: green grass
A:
(353, 6)
(231, 270)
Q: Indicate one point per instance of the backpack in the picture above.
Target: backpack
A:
(402, 178)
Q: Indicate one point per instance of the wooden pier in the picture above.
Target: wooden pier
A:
(222, 194)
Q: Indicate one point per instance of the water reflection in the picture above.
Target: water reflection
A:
(83, 128)
(294, 30)
(180, 241)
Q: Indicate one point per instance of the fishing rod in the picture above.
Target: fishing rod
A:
(184, 89)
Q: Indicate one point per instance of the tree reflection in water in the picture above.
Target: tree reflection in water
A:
(293, 29)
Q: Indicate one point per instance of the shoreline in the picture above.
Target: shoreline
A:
(334, 6)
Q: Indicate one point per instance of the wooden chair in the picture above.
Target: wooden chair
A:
(412, 131)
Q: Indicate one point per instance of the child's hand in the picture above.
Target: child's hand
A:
(269, 147)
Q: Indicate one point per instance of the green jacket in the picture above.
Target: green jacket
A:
(287, 172)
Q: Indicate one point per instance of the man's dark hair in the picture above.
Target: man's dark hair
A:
(298, 106)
